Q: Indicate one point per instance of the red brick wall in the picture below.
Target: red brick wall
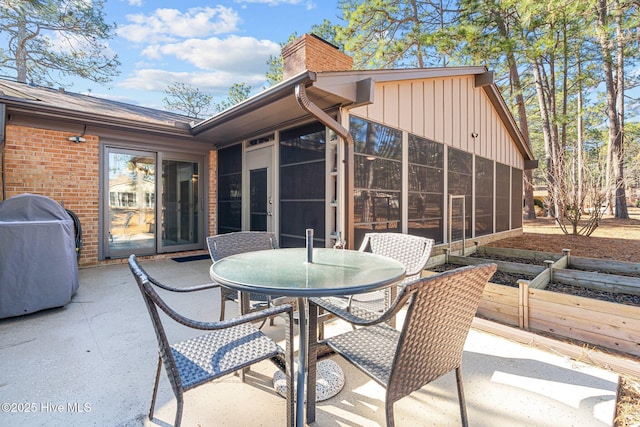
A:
(213, 186)
(41, 161)
(313, 54)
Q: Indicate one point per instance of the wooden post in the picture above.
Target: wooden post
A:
(549, 265)
(567, 253)
(523, 304)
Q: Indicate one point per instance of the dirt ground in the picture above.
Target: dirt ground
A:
(614, 239)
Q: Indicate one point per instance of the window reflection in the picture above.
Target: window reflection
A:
(132, 201)
(378, 177)
(426, 188)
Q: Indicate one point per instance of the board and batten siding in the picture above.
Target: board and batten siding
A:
(446, 110)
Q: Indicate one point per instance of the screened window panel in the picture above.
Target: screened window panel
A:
(484, 225)
(303, 144)
(516, 197)
(377, 207)
(427, 179)
(430, 228)
(378, 177)
(503, 175)
(295, 181)
(484, 196)
(377, 173)
(230, 160)
(425, 152)
(230, 189)
(460, 183)
(374, 139)
(302, 184)
(424, 205)
(302, 215)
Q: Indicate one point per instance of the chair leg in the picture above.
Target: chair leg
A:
(155, 388)
(179, 408)
(223, 303)
(463, 406)
(389, 413)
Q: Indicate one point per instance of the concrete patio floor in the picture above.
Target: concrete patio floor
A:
(92, 363)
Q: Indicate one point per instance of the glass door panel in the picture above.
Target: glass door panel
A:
(131, 219)
(180, 204)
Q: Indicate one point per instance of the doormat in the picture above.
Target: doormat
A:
(191, 258)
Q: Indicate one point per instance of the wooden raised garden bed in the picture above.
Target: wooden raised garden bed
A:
(561, 295)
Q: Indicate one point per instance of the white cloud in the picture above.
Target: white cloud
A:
(237, 54)
(171, 25)
(135, 3)
(216, 83)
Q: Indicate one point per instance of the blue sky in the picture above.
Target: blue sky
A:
(208, 45)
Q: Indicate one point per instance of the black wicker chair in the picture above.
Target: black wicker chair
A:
(438, 317)
(223, 245)
(229, 346)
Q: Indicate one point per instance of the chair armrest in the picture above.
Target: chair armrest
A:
(187, 289)
(211, 326)
(356, 316)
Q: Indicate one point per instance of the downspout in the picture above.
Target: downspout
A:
(342, 132)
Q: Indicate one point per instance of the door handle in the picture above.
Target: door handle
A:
(269, 207)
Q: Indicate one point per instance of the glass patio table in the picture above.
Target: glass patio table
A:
(286, 272)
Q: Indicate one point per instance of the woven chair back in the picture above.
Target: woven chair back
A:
(224, 245)
(436, 326)
(412, 251)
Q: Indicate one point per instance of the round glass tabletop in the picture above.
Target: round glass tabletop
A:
(286, 272)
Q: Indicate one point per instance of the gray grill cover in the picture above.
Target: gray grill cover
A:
(38, 265)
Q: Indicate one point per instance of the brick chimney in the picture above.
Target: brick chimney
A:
(312, 53)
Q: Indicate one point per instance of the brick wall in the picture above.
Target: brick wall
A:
(45, 162)
(309, 52)
(213, 186)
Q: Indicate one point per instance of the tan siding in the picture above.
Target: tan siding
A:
(376, 110)
(456, 113)
(405, 106)
(429, 117)
(438, 110)
(446, 110)
(465, 133)
(417, 110)
(391, 105)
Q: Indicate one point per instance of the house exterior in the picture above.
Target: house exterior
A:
(432, 152)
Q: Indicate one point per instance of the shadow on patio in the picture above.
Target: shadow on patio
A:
(93, 363)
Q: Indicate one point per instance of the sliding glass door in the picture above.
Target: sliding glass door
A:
(181, 217)
(152, 203)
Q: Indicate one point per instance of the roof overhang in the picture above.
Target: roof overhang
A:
(277, 106)
(273, 109)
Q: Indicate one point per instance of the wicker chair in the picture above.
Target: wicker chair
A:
(412, 251)
(224, 245)
(430, 343)
(229, 346)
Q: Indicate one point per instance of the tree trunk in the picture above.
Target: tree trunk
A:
(546, 131)
(618, 145)
(21, 51)
(615, 94)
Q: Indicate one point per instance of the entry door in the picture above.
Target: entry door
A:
(259, 208)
